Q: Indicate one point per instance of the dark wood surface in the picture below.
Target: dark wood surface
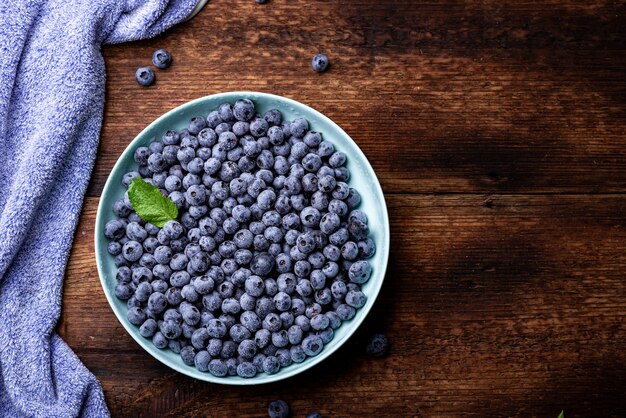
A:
(498, 132)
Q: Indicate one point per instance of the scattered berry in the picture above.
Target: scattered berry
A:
(320, 63)
(278, 409)
(144, 76)
(161, 58)
(378, 346)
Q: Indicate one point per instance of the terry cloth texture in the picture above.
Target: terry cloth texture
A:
(51, 102)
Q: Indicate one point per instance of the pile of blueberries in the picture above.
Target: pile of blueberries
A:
(269, 252)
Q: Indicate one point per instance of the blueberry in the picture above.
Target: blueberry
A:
(360, 272)
(174, 296)
(136, 316)
(282, 301)
(377, 346)
(326, 335)
(272, 322)
(350, 251)
(275, 135)
(297, 354)
(114, 248)
(218, 368)
(319, 322)
(199, 262)
(312, 163)
(297, 306)
(302, 268)
(213, 119)
(114, 229)
(298, 127)
(310, 217)
(334, 321)
(356, 299)
(159, 340)
(271, 365)
(319, 201)
(187, 354)
(244, 110)
(247, 348)
(246, 369)
(157, 302)
(338, 290)
(197, 124)
(170, 329)
(203, 284)
(337, 206)
(199, 338)
(312, 345)
(286, 283)
(179, 262)
(201, 360)
(132, 251)
(191, 179)
(214, 347)
(247, 302)
(304, 287)
(178, 198)
(320, 63)
(141, 155)
(141, 274)
(163, 254)
(295, 334)
(270, 350)
(259, 127)
(262, 338)
(170, 137)
(216, 328)
(180, 278)
(229, 348)
(231, 305)
(284, 357)
(262, 264)
(144, 76)
(323, 296)
(173, 229)
(161, 58)
(212, 301)
(303, 322)
(148, 328)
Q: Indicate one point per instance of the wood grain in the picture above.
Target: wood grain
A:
(500, 305)
(498, 132)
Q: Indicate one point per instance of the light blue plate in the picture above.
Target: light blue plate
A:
(362, 178)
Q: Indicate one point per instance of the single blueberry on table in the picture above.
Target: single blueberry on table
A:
(161, 58)
(144, 76)
(278, 409)
(377, 346)
(320, 63)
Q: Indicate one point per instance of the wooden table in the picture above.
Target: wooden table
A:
(498, 132)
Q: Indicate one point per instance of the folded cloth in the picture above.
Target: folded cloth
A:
(51, 103)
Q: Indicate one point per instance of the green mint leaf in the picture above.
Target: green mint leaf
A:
(561, 415)
(150, 204)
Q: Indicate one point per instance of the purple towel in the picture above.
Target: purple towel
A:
(51, 103)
